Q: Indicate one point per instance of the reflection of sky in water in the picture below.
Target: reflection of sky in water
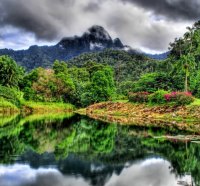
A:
(151, 172)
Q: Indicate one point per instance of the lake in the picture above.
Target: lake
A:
(74, 150)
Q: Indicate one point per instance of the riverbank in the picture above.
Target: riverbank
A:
(7, 108)
(46, 107)
(29, 107)
(179, 117)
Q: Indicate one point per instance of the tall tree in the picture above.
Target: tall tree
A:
(10, 73)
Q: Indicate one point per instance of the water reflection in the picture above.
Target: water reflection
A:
(75, 150)
(154, 172)
(24, 175)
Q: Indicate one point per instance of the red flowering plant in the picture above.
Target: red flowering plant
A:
(179, 98)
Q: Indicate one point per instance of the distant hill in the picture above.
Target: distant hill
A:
(158, 56)
(94, 39)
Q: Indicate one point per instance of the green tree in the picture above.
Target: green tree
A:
(10, 73)
(187, 64)
(151, 82)
(101, 87)
(60, 67)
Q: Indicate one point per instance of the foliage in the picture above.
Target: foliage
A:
(46, 85)
(161, 97)
(80, 86)
(185, 55)
(138, 97)
(179, 98)
(126, 66)
(158, 97)
(11, 94)
(60, 67)
(10, 73)
(101, 87)
(195, 84)
(4, 105)
(151, 82)
(48, 107)
(125, 87)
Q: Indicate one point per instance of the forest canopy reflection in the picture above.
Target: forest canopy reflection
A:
(96, 153)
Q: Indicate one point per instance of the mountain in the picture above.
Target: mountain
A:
(94, 39)
(158, 56)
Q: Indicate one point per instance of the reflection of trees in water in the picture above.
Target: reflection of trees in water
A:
(93, 143)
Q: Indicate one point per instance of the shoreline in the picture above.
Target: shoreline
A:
(186, 118)
(28, 108)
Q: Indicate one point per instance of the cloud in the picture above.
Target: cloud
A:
(173, 9)
(149, 24)
(11, 37)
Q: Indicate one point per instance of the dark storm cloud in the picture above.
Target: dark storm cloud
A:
(147, 24)
(173, 9)
(92, 7)
(38, 17)
(20, 15)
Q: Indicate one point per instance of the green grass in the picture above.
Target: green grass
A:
(46, 117)
(6, 104)
(7, 107)
(196, 102)
(120, 101)
(48, 107)
(5, 119)
(81, 111)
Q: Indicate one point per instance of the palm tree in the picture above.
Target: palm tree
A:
(187, 60)
(187, 64)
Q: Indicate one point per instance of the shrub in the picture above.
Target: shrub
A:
(179, 98)
(11, 95)
(151, 82)
(138, 97)
(158, 97)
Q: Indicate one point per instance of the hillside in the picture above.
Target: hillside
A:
(127, 66)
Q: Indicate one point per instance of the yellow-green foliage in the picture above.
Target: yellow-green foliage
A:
(196, 102)
(11, 95)
(6, 106)
(46, 117)
(6, 119)
(48, 107)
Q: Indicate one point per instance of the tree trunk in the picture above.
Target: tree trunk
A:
(186, 83)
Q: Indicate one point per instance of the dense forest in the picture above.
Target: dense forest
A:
(107, 75)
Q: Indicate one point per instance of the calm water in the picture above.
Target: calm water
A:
(77, 151)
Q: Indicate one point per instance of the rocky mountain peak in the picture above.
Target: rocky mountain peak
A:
(98, 32)
(96, 38)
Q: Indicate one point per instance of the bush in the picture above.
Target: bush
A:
(138, 97)
(151, 82)
(179, 98)
(158, 97)
(11, 95)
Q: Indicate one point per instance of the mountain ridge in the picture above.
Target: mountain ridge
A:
(95, 39)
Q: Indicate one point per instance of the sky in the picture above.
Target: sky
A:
(147, 25)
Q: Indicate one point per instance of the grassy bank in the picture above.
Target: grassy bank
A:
(46, 107)
(29, 107)
(7, 107)
(179, 117)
